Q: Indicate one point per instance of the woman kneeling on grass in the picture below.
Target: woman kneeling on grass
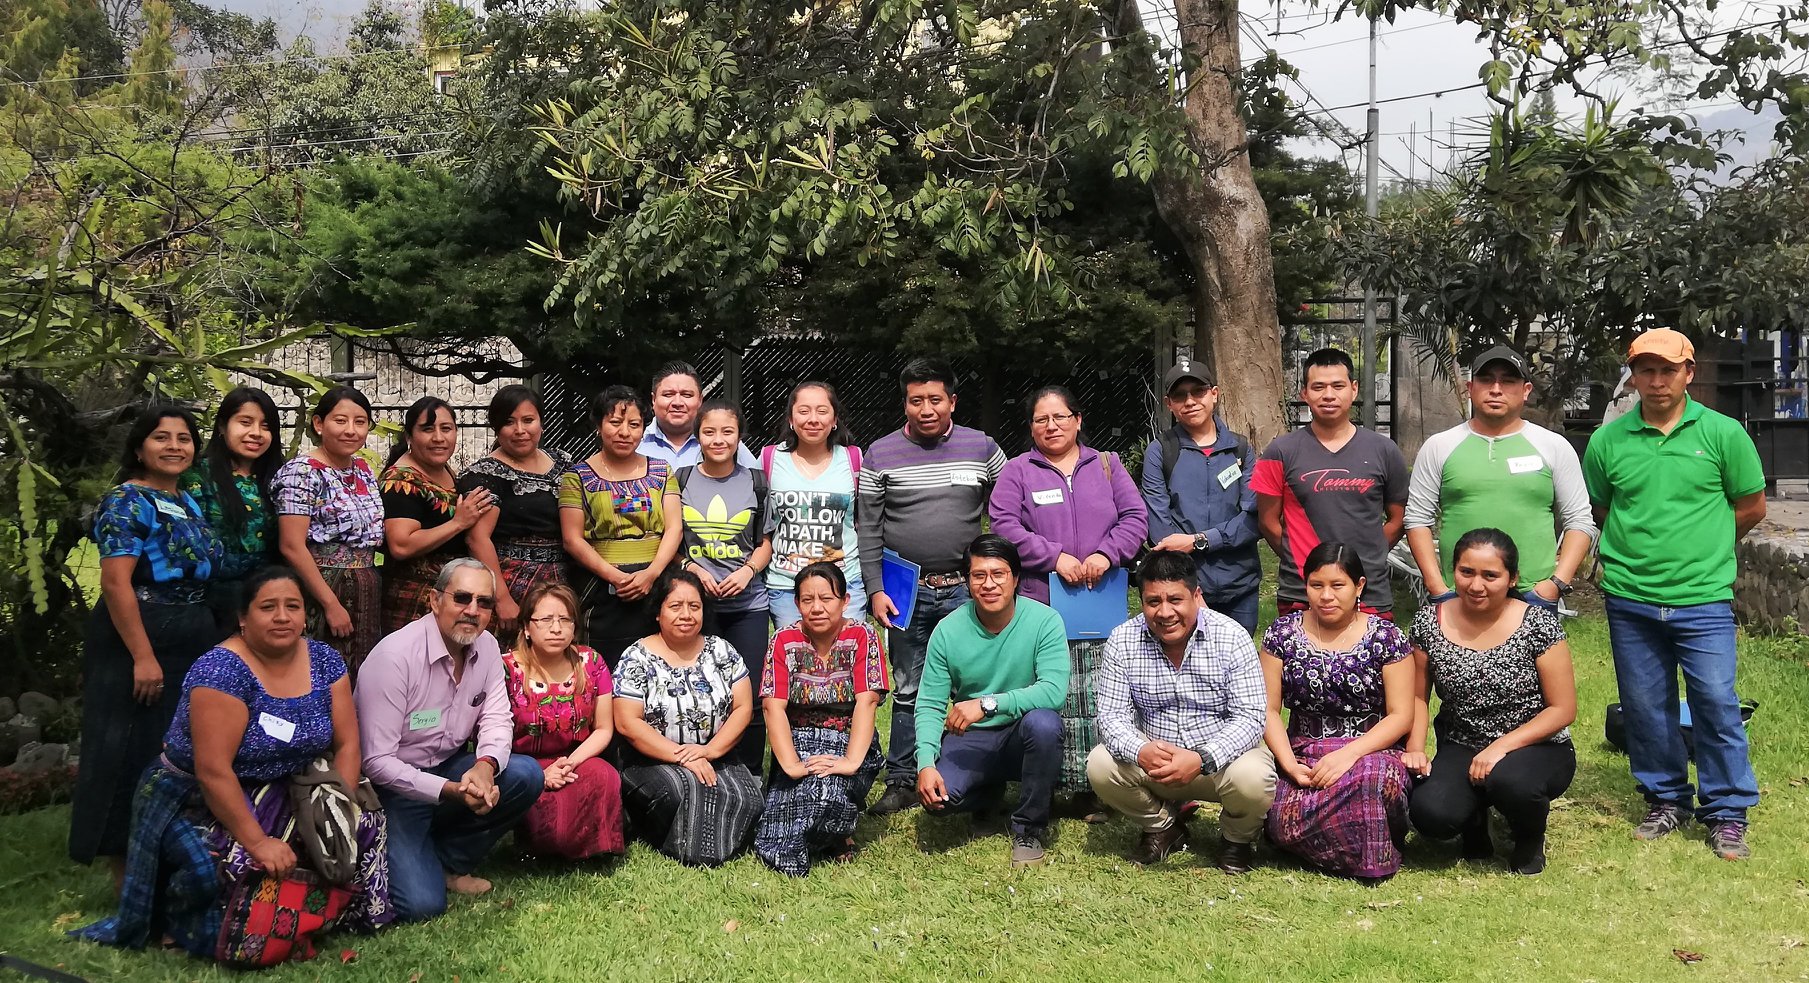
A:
(215, 811)
(560, 694)
(825, 679)
(1347, 681)
(682, 702)
(1506, 696)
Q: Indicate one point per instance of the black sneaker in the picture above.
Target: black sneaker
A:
(897, 798)
(1527, 857)
(1026, 849)
(1728, 839)
(1661, 819)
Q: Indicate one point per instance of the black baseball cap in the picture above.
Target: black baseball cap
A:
(1500, 353)
(1186, 368)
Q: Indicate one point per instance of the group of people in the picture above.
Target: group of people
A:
(588, 650)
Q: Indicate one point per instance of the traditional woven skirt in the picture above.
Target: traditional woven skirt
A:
(352, 577)
(696, 824)
(1078, 712)
(406, 585)
(814, 815)
(582, 819)
(182, 863)
(120, 735)
(526, 563)
(1356, 827)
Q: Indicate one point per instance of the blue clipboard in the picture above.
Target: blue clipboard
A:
(898, 578)
(1092, 613)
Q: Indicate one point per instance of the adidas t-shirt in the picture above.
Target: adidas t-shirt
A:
(1337, 496)
(723, 526)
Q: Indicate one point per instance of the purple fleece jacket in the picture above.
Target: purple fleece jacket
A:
(1103, 513)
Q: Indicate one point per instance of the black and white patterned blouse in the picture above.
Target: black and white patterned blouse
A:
(689, 704)
(527, 503)
(1483, 695)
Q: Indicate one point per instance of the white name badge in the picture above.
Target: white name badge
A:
(1231, 473)
(1523, 465)
(277, 727)
(1048, 496)
(171, 509)
(968, 478)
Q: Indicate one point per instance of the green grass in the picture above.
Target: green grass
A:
(923, 901)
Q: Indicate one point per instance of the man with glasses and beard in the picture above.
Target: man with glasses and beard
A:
(424, 693)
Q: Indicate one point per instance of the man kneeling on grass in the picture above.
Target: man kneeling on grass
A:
(1181, 712)
(994, 675)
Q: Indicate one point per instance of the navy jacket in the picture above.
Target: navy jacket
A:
(1205, 498)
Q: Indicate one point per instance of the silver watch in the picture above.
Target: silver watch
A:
(989, 705)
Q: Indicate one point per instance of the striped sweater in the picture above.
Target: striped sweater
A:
(924, 501)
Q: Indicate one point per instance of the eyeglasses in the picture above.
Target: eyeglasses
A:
(1191, 396)
(463, 599)
(1059, 419)
(552, 621)
(989, 576)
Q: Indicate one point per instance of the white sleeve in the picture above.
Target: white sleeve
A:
(1424, 484)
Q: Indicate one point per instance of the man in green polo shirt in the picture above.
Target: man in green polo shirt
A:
(1675, 485)
(1499, 470)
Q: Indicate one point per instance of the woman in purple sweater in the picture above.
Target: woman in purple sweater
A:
(1076, 513)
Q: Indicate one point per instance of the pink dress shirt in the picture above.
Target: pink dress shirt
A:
(407, 677)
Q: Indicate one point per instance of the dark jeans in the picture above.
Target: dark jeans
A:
(908, 647)
(976, 765)
(1521, 786)
(1651, 643)
(1239, 609)
(428, 840)
(747, 632)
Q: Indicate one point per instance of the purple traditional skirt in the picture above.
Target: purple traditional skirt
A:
(1356, 827)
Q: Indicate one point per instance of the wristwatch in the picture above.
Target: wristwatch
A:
(989, 705)
(1199, 542)
(1564, 587)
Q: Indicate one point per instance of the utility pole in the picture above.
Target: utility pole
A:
(1372, 208)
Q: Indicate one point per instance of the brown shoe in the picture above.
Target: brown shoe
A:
(1156, 844)
(1237, 858)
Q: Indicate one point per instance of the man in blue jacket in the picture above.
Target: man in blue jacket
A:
(1196, 482)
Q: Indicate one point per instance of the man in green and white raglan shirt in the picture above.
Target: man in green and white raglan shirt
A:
(1500, 471)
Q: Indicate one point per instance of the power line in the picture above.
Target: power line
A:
(216, 66)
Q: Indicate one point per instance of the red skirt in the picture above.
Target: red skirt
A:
(583, 819)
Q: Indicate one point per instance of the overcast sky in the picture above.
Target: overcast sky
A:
(1420, 55)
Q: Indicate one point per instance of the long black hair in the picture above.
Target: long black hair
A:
(840, 434)
(421, 409)
(130, 465)
(220, 461)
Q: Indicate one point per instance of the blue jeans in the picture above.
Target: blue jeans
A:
(1240, 609)
(427, 840)
(976, 765)
(784, 606)
(1651, 643)
(908, 647)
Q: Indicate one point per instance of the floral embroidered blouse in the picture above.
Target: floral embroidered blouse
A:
(552, 720)
(1333, 694)
(177, 550)
(343, 505)
(247, 547)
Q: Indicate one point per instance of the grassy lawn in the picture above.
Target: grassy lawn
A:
(925, 902)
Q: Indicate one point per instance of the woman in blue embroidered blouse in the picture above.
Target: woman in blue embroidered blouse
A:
(231, 483)
(215, 808)
(157, 553)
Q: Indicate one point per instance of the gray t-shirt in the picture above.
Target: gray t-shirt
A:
(725, 520)
(1330, 496)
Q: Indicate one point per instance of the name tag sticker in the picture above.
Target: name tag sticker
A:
(1048, 496)
(1524, 465)
(968, 478)
(277, 727)
(423, 719)
(1230, 474)
(171, 509)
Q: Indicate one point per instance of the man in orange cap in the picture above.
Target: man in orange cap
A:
(1677, 466)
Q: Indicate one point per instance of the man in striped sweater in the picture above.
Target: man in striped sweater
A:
(923, 489)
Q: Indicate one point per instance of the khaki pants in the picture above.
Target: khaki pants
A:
(1244, 788)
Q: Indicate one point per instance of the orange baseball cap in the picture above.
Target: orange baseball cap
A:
(1669, 345)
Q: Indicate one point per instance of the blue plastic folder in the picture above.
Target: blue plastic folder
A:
(898, 578)
(1092, 613)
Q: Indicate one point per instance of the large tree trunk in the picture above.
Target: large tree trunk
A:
(1219, 216)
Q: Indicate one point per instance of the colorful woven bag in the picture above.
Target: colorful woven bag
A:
(269, 920)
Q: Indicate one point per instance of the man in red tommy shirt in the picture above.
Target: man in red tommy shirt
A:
(1332, 482)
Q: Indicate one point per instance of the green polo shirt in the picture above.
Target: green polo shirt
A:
(1669, 535)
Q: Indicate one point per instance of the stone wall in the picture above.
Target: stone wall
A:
(1772, 590)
